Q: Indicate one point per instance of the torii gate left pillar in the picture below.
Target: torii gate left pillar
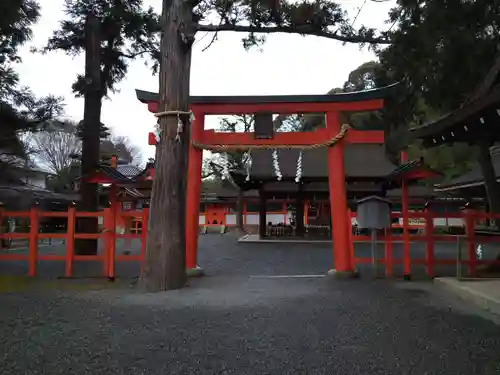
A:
(331, 105)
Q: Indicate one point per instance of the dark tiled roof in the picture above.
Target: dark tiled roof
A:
(414, 191)
(223, 189)
(35, 192)
(410, 166)
(114, 174)
(379, 93)
(360, 160)
(474, 176)
(486, 94)
(405, 168)
(128, 170)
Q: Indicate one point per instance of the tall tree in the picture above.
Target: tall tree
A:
(165, 255)
(110, 32)
(20, 110)
(451, 161)
(441, 50)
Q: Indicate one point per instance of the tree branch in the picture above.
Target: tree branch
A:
(136, 54)
(303, 30)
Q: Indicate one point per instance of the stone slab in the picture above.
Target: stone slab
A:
(484, 293)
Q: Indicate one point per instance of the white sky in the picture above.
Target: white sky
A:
(288, 64)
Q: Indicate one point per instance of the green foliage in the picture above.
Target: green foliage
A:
(127, 32)
(20, 110)
(257, 17)
(16, 19)
(104, 131)
(441, 50)
(237, 160)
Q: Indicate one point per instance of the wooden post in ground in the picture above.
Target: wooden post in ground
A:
(33, 241)
(299, 212)
(343, 266)
(144, 232)
(262, 214)
(193, 196)
(406, 230)
(470, 233)
(429, 242)
(70, 240)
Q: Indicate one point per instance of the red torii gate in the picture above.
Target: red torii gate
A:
(332, 105)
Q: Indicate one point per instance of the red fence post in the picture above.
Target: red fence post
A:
(112, 242)
(106, 227)
(470, 232)
(350, 215)
(429, 243)
(144, 233)
(70, 239)
(33, 241)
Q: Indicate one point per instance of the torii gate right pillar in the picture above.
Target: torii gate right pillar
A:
(342, 263)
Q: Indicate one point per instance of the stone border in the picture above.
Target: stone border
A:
(466, 293)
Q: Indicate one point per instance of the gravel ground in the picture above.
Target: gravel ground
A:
(231, 323)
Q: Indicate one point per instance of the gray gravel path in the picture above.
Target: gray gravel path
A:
(230, 323)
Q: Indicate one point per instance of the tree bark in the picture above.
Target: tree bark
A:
(492, 188)
(90, 134)
(491, 185)
(165, 258)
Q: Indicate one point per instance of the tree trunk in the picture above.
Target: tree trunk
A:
(240, 204)
(165, 259)
(491, 185)
(492, 188)
(90, 134)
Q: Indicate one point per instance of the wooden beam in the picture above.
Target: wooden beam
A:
(210, 137)
(243, 108)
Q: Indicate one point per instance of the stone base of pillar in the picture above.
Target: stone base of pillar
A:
(343, 275)
(195, 272)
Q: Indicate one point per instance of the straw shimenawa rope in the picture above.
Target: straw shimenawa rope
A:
(222, 148)
(172, 113)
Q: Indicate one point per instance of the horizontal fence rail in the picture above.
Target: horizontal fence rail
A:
(108, 234)
(426, 233)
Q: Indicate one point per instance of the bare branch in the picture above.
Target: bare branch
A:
(54, 147)
(123, 148)
(303, 30)
(137, 54)
(214, 38)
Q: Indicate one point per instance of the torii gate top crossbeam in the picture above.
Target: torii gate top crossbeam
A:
(227, 105)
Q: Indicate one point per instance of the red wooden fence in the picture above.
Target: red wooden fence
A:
(109, 234)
